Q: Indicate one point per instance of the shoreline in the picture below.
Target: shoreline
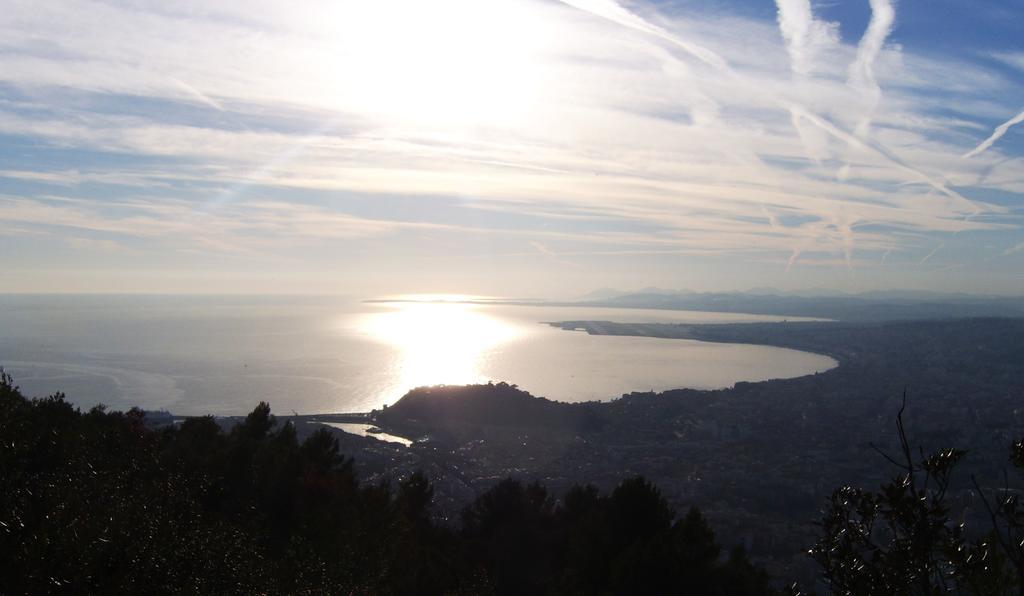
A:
(690, 332)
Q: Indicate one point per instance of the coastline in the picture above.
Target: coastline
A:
(713, 333)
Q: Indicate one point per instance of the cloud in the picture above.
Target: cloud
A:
(613, 11)
(996, 135)
(932, 252)
(198, 95)
(862, 75)
(1014, 59)
(243, 229)
(677, 140)
(94, 244)
(804, 35)
(551, 255)
(862, 71)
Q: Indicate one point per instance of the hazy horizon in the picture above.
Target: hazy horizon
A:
(581, 296)
(512, 148)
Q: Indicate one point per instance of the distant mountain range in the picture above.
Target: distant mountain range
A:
(609, 293)
(868, 306)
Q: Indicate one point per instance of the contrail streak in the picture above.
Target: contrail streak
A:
(547, 252)
(878, 29)
(792, 258)
(773, 220)
(616, 13)
(996, 135)
(804, 36)
(1014, 249)
(802, 33)
(882, 151)
(862, 71)
(932, 253)
(795, 23)
(846, 230)
(613, 11)
(198, 95)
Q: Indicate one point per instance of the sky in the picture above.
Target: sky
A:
(511, 148)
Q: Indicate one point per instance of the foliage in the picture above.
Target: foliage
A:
(96, 502)
(628, 542)
(902, 539)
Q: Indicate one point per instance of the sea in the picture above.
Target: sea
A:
(221, 355)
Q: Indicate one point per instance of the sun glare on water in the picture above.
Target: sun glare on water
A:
(437, 343)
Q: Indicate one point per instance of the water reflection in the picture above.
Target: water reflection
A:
(367, 430)
(437, 343)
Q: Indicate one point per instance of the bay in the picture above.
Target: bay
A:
(223, 354)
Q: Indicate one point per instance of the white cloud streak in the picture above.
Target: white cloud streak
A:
(804, 35)
(861, 76)
(551, 255)
(862, 71)
(996, 135)
(613, 11)
(932, 252)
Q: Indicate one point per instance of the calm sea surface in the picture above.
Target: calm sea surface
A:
(222, 355)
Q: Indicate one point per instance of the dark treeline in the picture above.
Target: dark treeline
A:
(96, 502)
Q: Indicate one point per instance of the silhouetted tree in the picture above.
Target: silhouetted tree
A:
(901, 540)
(506, 530)
(97, 502)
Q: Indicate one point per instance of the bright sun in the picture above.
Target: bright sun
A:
(441, 62)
